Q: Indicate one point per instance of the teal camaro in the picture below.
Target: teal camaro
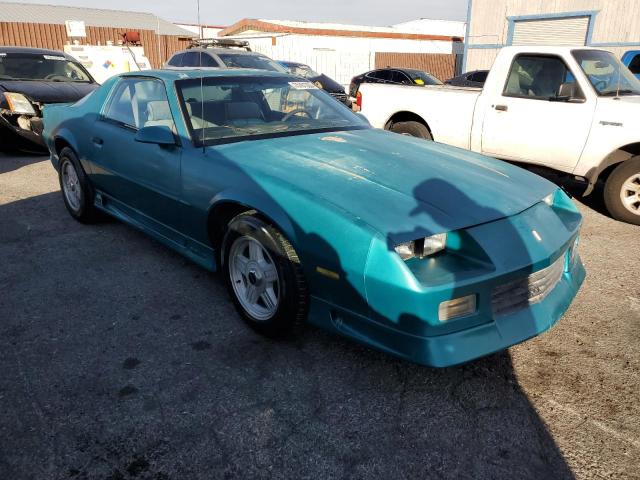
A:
(428, 252)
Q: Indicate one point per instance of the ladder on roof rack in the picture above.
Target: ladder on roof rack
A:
(219, 42)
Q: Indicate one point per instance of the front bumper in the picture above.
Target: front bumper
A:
(404, 297)
(461, 346)
(23, 130)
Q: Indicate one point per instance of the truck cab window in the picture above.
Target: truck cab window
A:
(539, 77)
(634, 66)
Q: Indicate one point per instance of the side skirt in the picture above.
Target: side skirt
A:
(195, 251)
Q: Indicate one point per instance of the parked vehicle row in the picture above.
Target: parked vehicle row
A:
(424, 251)
(575, 110)
(393, 76)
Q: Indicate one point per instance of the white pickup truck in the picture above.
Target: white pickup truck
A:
(576, 110)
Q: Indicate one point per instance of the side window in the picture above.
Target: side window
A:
(399, 77)
(191, 59)
(634, 66)
(208, 61)
(176, 60)
(478, 77)
(138, 103)
(539, 77)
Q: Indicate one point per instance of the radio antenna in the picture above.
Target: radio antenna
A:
(201, 81)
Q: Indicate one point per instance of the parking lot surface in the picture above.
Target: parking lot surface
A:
(121, 360)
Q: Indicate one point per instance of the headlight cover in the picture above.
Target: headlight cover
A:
(18, 103)
(422, 247)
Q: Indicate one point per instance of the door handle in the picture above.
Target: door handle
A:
(501, 108)
(97, 141)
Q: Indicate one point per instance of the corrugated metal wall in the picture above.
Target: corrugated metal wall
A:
(157, 48)
(442, 66)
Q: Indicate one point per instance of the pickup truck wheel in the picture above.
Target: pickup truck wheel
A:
(76, 189)
(622, 192)
(415, 129)
(264, 276)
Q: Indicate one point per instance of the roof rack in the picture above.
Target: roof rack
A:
(219, 42)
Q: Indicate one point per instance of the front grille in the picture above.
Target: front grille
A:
(518, 294)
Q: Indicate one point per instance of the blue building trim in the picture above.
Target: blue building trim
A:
(485, 46)
(551, 16)
(466, 38)
(615, 44)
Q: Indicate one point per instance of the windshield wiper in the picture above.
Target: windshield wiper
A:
(615, 93)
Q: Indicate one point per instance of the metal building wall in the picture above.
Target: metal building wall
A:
(157, 48)
(616, 24)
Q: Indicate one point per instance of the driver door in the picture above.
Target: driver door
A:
(143, 179)
(528, 121)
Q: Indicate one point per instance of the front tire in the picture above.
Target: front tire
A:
(622, 192)
(75, 187)
(415, 129)
(263, 276)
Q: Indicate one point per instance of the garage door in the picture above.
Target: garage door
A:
(552, 31)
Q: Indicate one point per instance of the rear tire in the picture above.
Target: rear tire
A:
(415, 129)
(263, 275)
(622, 192)
(77, 192)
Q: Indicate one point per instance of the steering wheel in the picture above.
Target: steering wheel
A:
(293, 112)
(600, 85)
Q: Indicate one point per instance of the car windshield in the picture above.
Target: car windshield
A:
(606, 73)
(303, 71)
(30, 66)
(260, 62)
(423, 78)
(225, 109)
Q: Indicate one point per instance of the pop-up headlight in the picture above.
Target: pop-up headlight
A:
(422, 247)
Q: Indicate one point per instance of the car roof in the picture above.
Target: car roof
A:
(36, 51)
(182, 74)
(218, 51)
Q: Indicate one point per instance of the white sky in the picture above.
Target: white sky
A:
(362, 12)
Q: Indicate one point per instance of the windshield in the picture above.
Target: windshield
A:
(51, 68)
(254, 107)
(303, 71)
(606, 73)
(423, 78)
(260, 62)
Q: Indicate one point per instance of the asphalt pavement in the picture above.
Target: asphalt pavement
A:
(120, 359)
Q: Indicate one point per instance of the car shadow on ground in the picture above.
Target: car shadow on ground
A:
(124, 360)
(18, 160)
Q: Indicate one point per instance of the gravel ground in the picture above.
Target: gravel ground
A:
(122, 360)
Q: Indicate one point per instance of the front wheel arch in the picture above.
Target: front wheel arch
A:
(406, 116)
(223, 210)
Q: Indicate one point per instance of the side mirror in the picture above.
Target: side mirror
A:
(569, 91)
(158, 134)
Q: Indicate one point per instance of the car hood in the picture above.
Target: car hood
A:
(401, 186)
(49, 92)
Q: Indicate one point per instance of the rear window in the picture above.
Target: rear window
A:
(176, 60)
(260, 62)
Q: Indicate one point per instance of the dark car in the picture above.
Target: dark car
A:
(31, 78)
(398, 76)
(221, 53)
(328, 84)
(469, 79)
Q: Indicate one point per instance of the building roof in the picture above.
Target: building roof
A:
(327, 29)
(93, 17)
